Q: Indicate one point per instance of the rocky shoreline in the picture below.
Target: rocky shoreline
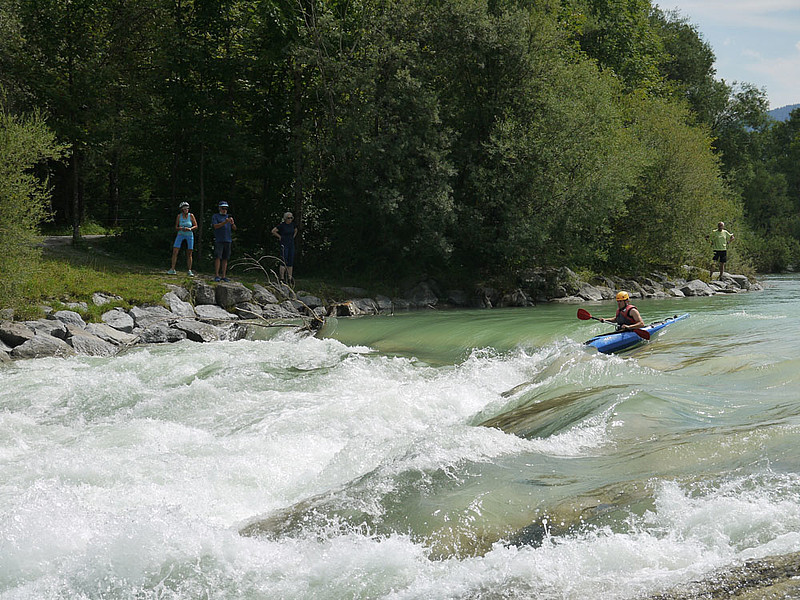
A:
(220, 311)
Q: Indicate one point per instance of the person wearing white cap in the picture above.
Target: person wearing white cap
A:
(223, 224)
(185, 224)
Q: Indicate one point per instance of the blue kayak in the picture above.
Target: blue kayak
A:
(608, 343)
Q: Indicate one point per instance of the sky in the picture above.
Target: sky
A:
(755, 41)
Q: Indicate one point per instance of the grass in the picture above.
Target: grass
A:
(70, 273)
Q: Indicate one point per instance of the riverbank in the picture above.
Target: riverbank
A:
(204, 311)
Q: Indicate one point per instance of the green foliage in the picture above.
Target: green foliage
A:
(25, 143)
(456, 136)
(679, 196)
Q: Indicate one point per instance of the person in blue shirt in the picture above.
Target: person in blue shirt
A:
(185, 224)
(286, 231)
(223, 225)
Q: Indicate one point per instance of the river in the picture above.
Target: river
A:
(435, 454)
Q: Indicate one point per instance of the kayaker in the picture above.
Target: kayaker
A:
(628, 316)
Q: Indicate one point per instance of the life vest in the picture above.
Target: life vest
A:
(623, 315)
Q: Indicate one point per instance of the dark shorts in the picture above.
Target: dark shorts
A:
(222, 250)
(287, 255)
(721, 256)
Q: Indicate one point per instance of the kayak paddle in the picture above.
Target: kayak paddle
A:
(584, 315)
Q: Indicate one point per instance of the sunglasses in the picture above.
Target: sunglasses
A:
(289, 218)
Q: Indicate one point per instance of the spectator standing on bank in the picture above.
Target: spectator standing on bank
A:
(185, 224)
(223, 225)
(720, 238)
(286, 231)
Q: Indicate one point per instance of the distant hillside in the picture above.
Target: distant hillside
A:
(782, 113)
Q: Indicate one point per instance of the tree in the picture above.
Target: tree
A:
(26, 144)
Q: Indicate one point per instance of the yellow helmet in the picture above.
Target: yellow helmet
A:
(623, 296)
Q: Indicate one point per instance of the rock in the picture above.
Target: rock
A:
(364, 306)
(232, 293)
(282, 290)
(740, 281)
(263, 296)
(384, 303)
(119, 320)
(101, 299)
(159, 333)
(43, 346)
(310, 301)
(696, 287)
(177, 306)
(4, 357)
(569, 300)
(88, 344)
(199, 332)
(7, 314)
(422, 295)
(248, 310)
(455, 298)
(400, 304)
(180, 291)
(289, 308)
(5, 347)
(69, 317)
(147, 316)
(14, 334)
(212, 312)
(675, 292)
(589, 292)
(276, 311)
(81, 306)
(204, 294)
(49, 327)
(515, 298)
(111, 335)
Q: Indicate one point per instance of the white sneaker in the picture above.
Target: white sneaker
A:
(191, 274)
(171, 272)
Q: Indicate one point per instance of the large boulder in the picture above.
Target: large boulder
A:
(147, 316)
(49, 327)
(14, 334)
(248, 310)
(422, 295)
(212, 312)
(180, 291)
(159, 333)
(204, 294)
(310, 301)
(101, 299)
(86, 343)
(697, 287)
(232, 293)
(740, 281)
(111, 335)
(199, 332)
(43, 346)
(69, 317)
(590, 292)
(177, 306)
(119, 320)
(263, 296)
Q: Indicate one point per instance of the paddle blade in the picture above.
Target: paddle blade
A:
(645, 335)
(584, 315)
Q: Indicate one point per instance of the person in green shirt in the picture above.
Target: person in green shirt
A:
(720, 238)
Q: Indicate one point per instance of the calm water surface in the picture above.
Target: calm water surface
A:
(463, 454)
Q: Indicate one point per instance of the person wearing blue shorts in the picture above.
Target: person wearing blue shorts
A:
(286, 231)
(185, 224)
(223, 225)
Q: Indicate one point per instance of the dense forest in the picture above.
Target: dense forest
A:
(473, 138)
